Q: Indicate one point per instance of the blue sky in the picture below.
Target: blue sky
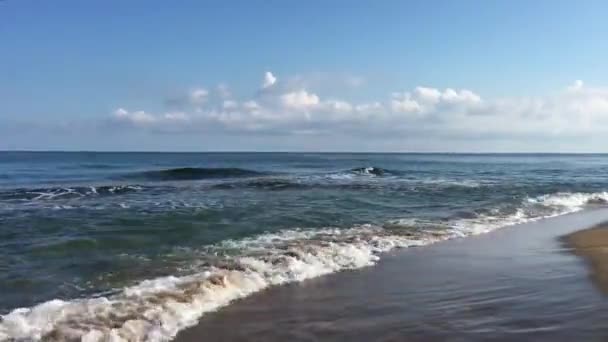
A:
(348, 75)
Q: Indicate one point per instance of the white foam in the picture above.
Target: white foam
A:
(157, 309)
(573, 201)
(339, 176)
(367, 170)
(466, 183)
(56, 193)
(533, 209)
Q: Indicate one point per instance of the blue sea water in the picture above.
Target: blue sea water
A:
(140, 245)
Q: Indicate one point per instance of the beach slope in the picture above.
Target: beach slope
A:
(516, 283)
(592, 244)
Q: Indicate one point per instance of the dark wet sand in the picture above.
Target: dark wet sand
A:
(592, 244)
(517, 283)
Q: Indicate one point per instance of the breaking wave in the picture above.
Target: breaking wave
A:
(155, 310)
(67, 192)
(370, 170)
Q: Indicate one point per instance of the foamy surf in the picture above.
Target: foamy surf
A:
(157, 309)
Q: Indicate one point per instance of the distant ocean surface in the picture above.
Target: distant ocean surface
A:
(140, 245)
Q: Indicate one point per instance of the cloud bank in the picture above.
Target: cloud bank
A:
(288, 108)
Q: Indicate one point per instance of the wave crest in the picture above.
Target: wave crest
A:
(572, 200)
(194, 173)
(370, 170)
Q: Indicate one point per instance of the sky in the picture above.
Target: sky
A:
(358, 76)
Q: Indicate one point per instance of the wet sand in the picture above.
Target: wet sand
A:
(516, 283)
(592, 244)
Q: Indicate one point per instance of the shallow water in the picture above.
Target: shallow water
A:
(515, 284)
(142, 244)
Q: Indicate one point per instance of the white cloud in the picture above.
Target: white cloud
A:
(137, 118)
(299, 100)
(198, 96)
(177, 116)
(403, 103)
(425, 100)
(230, 104)
(427, 95)
(251, 106)
(269, 80)
(577, 85)
(461, 96)
(370, 108)
(121, 113)
(338, 106)
(576, 110)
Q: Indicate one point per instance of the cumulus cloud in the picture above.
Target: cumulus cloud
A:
(462, 96)
(427, 100)
(427, 95)
(423, 111)
(403, 103)
(198, 96)
(299, 100)
(269, 80)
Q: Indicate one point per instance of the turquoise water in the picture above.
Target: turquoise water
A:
(135, 234)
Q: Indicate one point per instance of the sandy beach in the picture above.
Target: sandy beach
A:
(592, 244)
(512, 284)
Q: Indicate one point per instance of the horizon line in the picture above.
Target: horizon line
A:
(295, 152)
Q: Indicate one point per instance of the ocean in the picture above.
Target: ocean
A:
(139, 246)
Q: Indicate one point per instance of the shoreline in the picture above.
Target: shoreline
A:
(512, 283)
(592, 245)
